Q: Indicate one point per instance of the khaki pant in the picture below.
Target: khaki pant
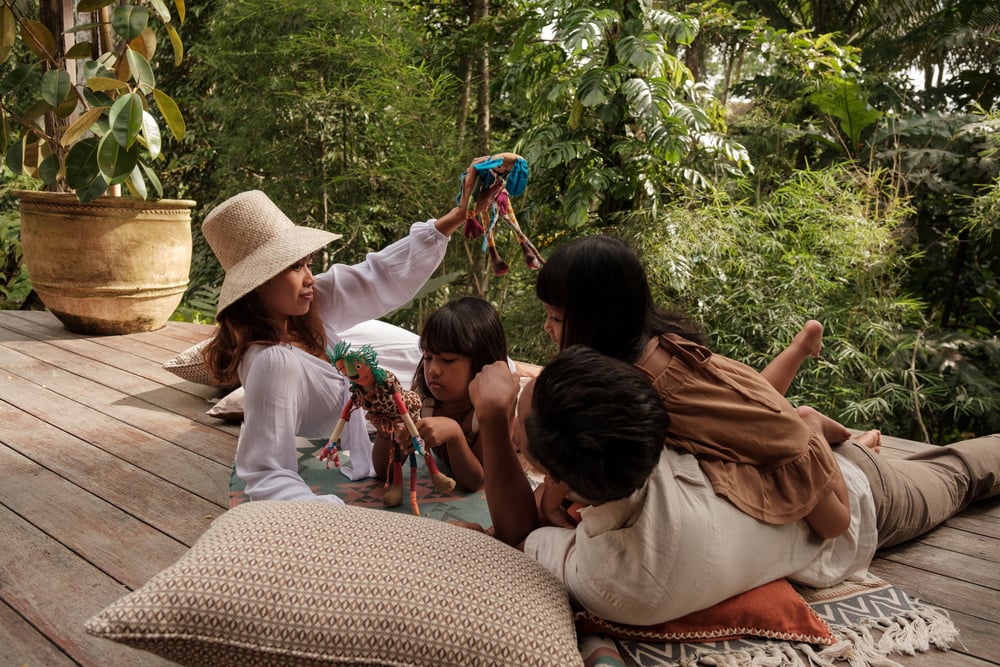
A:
(916, 493)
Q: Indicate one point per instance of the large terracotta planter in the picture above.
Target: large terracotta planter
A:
(114, 265)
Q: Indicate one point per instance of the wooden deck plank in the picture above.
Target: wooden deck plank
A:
(124, 445)
(94, 529)
(152, 406)
(22, 645)
(198, 473)
(156, 501)
(56, 591)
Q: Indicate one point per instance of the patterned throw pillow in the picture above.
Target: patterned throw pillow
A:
(772, 611)
(309, 583)
(190, 365)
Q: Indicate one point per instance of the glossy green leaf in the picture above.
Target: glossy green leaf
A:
(48, 171)
(18, 77)
(81, 126)
(105, 83)
(115, 162)
(150, 136)
(14, 157)
(81, 165)
(129, 21)
(176, 44)
(137, 184)
(4, 131)
(125, 119)
(161, 10)
(36, 110)
(7, 32)
(153, 178)
(141, 70)
(79, 51)
(68, 105)
(38, 39)
(171, 114)
(55, 84)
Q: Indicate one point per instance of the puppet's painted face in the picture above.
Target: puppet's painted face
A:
(364, 376)
(553, 323)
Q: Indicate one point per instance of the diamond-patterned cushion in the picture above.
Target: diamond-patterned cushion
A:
(308, 583)
(190, 365)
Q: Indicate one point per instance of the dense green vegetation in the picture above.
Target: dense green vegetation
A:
(773, 162)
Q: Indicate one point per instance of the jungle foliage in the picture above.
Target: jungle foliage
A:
(772, 162)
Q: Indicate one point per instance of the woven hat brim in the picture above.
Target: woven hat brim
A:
(269, 260)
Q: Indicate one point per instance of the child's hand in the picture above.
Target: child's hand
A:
(438, 431)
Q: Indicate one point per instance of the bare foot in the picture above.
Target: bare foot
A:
(809, 339)
(832, 430)
(871, 439)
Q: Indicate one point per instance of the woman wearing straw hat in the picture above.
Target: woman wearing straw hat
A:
(276, 319)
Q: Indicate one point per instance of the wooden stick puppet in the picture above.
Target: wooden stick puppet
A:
(389, 408)
(503, 175)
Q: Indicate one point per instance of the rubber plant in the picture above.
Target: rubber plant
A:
(91, 113)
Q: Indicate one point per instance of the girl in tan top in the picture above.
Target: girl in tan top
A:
(769, 459)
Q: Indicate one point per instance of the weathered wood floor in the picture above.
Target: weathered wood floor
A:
(110, 470)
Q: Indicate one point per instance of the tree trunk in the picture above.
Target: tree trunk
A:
(480, 10)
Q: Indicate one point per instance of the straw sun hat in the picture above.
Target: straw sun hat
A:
(254, 241)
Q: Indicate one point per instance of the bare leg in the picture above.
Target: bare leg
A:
(832, 430)
(782, 369)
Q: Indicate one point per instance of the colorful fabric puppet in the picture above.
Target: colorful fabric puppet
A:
(507, 174)
(389, 409)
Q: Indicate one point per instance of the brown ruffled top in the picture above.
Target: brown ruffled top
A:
(754, 448)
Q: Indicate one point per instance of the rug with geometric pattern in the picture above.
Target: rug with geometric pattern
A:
(873, 621)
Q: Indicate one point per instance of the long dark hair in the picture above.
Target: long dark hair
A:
(602, 288)
(247, 322)
(469, 326)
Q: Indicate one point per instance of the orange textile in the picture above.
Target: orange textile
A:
(754, 448)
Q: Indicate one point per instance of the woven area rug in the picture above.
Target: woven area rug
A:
(873, 620)
(455, 506)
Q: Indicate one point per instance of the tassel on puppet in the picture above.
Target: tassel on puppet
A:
(388, 407)
(503, 175)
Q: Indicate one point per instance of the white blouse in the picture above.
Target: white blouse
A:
(289, 392)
